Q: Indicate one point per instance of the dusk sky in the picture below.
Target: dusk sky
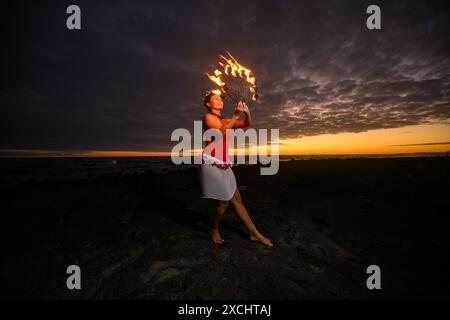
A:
(135, 72)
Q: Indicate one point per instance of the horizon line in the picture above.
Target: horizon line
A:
(284, 155)
(418, 144)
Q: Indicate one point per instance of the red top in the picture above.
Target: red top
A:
(237, 124)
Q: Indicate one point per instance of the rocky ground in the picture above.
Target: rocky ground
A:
(145, 236)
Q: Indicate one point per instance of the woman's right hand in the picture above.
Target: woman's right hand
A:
(239, 109)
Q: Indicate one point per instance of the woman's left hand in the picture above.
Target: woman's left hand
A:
(244, 107)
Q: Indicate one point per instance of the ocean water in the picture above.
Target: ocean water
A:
(17, 170)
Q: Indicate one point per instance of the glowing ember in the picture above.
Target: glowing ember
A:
(234, 71)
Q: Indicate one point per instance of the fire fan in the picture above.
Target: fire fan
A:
(235, 81)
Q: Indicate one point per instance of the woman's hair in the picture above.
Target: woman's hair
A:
(207, 99)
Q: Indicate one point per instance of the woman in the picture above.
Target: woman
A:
(218, 180)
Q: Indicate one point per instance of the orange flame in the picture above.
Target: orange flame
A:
(233, 67)
(238, 70)
(216, 79)
(218, 92)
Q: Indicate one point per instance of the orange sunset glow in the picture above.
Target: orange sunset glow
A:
(426, 138)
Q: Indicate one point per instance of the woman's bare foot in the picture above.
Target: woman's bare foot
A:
(256, 236)
(215, 235)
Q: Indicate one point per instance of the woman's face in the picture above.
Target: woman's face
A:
(216, 102)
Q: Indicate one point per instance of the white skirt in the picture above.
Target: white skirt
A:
(219, 184)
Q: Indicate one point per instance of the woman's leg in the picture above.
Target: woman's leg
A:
(242, 214)
(220, 208)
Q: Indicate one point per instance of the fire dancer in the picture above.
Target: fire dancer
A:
(217, 177)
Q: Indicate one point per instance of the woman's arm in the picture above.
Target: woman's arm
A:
(248, 117)
(213, 122)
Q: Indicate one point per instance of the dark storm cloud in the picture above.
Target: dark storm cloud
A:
(135, 70)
